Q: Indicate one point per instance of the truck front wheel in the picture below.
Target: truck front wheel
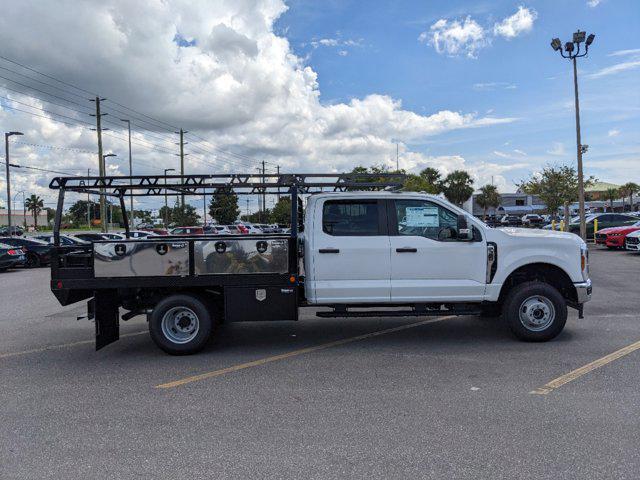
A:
(535, 311)
(181, 324)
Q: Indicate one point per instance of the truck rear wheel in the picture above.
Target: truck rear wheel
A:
(181, 324)
(535, 311)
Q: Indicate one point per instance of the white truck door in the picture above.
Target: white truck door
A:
(427, 263)
(350, 252)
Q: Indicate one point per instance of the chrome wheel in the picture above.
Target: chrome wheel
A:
(180, 325)
(537, 313)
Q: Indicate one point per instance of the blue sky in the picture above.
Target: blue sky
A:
(359, 48)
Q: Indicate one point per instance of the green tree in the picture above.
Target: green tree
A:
(34, 204)
(184, 215)
(165, 214)
(488, 198)
(224, 206)
(78, 212)
(281, 212)
(457, 187)
(629, 189)
(611, 194)
(375, 169)
(428, 180)
(555, 185)
(143, 215)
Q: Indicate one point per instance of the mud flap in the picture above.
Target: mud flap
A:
(105, 309)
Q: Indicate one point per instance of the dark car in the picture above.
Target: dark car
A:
(605, 220)
(10, 256)
(511, 221)
(187, 231)
(64, 240)
(37, 252)
(15, 230)
(96, 236)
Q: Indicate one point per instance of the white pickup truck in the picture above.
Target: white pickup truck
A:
(354, 251)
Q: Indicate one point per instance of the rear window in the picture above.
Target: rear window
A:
(351, 218)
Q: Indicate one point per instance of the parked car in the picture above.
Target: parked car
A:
(632, 241)
(532, 220)
(237, 229)
(605, 220)
(511, 221)
(11, 256)
(15, 231)
(253, 229)
(223, 229)
(138, 234)
(157, 231)
(37, 252)
(187, 231)
(64, 239)
(614, 237)
(96, 236)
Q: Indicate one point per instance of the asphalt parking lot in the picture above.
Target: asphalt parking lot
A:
(322, 398)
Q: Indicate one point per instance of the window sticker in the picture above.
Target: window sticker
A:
(422, 217)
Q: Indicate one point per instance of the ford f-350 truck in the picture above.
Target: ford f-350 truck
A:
(360, 249)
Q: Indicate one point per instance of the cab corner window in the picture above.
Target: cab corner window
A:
(425, 219)
(351, 218)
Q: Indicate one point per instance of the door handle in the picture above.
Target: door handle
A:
(406, 250)
(329, 250)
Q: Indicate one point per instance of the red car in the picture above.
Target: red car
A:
(614, 237)
(157, 231)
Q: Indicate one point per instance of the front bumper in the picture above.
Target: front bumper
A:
(583, 291)
(617, 241)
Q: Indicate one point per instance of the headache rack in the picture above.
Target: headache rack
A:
(293, 184)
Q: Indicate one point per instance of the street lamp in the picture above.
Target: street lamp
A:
(6, 150)
(166, 207)
(572, 50)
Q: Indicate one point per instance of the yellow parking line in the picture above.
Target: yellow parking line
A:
(295, 353)
(60, 346)
(578, 372)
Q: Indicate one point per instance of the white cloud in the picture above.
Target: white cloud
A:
(517, 24)
(343, 53)
(593, 3)
(613, 133)
(557, 149)
(619, 53)
(455, 37)
(614, 69)
(238, 85)
(515, 154)
(494, 86)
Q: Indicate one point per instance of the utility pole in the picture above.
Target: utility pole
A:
(278, 170)
(397, 158)
(572, 50)
(204, 202)
(88, 202)
(166, 203)
(130, 170)
(182, 155)
(6, 152)
(264, 198)
(247, 206)
(101, 167)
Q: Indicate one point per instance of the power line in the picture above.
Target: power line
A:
(56, 147)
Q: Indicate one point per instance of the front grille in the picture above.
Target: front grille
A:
(633, 240)
(601, 236)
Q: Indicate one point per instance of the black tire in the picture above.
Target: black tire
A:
(535, 299)
(33, 261)
(180, 311)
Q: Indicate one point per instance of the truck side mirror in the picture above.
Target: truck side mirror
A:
(465, 233)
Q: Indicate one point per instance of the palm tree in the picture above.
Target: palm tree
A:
(457, 187)
(611, 194)
(628, 190)
(35, 205)
(488, 198)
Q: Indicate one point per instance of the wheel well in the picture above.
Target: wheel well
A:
(543, 272)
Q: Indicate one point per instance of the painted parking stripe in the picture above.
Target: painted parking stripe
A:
(589, 367)
(62, 345)
(295, 353)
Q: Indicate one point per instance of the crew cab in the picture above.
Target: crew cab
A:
(360, 253)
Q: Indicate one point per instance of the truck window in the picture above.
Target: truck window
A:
(424, 219)
(351, 218)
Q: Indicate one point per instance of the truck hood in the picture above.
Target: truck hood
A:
(539, 233)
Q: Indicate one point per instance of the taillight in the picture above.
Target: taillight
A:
(13, 252)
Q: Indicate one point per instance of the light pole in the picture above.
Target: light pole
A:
(6, 150)
(166, 207)
(572, 50)
(105, 223)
